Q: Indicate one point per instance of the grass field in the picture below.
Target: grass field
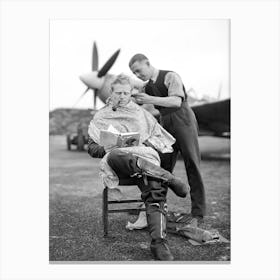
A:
(75, 210)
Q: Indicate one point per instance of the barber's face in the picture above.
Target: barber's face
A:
(121, 94)
(141, 69)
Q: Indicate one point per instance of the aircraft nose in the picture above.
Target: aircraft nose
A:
(91, 80)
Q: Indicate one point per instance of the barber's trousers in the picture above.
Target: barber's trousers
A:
(182, 125)
(125, 165)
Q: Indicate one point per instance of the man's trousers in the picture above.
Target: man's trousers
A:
(125, 165)
(182, 125)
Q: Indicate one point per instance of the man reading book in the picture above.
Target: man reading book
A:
(140, 161)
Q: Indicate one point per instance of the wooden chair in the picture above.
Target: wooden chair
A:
(106, 203)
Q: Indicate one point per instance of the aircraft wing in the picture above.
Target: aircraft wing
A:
(213, 118)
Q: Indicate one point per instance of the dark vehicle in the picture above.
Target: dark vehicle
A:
(80, 139)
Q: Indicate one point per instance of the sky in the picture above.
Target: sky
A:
(198, 50)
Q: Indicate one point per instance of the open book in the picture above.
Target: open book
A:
(113, 138)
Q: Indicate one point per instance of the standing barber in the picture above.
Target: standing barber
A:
(166, 91)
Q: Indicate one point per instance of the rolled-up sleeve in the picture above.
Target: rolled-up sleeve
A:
(175, 85)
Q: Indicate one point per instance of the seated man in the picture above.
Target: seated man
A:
(137, 161)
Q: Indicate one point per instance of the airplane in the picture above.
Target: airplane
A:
(99, 81)
(212, 114)
(213, 117)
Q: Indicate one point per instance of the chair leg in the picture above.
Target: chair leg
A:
(105, 211)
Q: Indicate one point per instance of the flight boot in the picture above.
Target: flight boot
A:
(125, 164)
(156, 218)
(175, 184)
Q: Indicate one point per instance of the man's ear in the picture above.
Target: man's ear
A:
(148, 62)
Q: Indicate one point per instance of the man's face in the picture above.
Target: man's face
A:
(121, 94)
(141, 69)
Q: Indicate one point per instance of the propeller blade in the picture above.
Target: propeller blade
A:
(103, 71)
(94, 99)
(81, 97)
(94, 65)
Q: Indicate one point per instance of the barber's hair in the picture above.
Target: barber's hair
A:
(137, 57)
(121, 79)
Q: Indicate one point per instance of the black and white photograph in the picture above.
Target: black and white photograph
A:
(139, 140)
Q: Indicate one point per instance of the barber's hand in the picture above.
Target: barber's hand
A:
(142, 98)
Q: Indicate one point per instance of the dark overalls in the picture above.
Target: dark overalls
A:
(182, 125)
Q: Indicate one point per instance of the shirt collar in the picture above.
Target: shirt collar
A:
(155, 75)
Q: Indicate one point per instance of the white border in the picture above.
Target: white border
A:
(255, 137)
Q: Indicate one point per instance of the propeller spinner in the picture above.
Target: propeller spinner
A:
(95, 80)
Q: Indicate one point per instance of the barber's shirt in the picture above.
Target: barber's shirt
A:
(173, 82)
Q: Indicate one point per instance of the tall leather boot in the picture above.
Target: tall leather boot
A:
(175, 184)
(125, 164)
(156, 218)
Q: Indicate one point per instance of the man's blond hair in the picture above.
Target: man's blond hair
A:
(121, 79)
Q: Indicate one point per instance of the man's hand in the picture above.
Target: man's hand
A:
(143, 98)
(130, 142)
(147, 143)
